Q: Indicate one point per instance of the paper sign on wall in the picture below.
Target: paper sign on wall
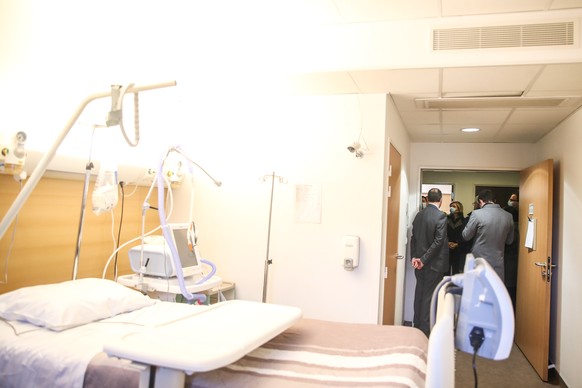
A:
(308, 204)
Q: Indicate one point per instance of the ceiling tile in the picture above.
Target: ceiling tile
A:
(563, 4)
(421, 117)
(564, 77)
(425, 129)
(484, 80)
(398, 81)
(471, 117)
(464, 7)
(321, 83)
(544, 117)
(355, 11)
(520, 134)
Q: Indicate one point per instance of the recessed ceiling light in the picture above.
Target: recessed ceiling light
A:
(470, 129)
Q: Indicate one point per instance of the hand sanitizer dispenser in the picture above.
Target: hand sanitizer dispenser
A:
(351, 252)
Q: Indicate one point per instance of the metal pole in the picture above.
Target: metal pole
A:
(267, 260)
(88, 169)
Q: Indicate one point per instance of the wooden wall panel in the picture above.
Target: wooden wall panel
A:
(46, 232)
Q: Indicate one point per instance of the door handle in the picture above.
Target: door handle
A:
(399, 257)
(543, 266)
(546, 268)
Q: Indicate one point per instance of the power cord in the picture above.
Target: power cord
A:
(121, 187)
(476, 338)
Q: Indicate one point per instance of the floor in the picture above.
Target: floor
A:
(513, 372)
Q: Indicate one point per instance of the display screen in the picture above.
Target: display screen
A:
(187, 256)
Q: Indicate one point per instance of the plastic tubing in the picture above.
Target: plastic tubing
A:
(211, 264)
(166, 232)
(212, 271)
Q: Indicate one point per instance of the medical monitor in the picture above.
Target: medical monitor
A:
(157, 255)
(486, 312)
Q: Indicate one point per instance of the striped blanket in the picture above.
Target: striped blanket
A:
(317, 353)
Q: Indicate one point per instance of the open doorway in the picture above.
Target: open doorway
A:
(465, 184)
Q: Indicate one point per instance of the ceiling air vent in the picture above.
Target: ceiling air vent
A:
(519, 35)
(496, 102)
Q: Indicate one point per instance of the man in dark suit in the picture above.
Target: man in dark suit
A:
(430, 256)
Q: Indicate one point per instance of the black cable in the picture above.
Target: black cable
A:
(476, 337)
(121, 185)
(152, 382)
(475, 369)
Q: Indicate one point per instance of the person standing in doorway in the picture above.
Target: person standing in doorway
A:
(510, 259)
(424, 201)
(430, 256)
(457, 246)
(469, 243)
(491, 227)
(513, 206)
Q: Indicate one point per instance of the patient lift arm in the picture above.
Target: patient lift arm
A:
(49, 155)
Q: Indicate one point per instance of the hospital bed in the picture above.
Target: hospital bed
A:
(96, 332)
(67, 335)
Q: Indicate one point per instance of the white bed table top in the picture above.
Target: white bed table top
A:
(208, 339)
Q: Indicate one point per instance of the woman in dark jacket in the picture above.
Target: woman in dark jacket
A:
(458, 248)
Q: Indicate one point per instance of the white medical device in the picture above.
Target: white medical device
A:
(475, 315)
(157, 257)
(485, 317)
(485, 322)
(351, 252)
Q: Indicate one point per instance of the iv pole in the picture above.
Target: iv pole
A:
(49, 155)
(269, 261)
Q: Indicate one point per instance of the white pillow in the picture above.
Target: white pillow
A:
(71, 303)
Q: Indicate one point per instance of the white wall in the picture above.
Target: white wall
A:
(563, 145)
(307, 146)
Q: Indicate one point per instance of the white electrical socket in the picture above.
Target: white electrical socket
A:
(173, 175)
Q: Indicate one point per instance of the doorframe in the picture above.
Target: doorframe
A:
(413, 207)
(551, 339)
(402, 238)
(392, 201)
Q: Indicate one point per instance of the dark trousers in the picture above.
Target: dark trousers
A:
(426, 282)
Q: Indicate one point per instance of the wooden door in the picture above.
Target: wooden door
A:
(534, 280)
(392, 229)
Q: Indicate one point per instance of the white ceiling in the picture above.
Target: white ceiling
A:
(498, 124)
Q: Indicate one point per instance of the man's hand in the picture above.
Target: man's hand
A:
(417, 263)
